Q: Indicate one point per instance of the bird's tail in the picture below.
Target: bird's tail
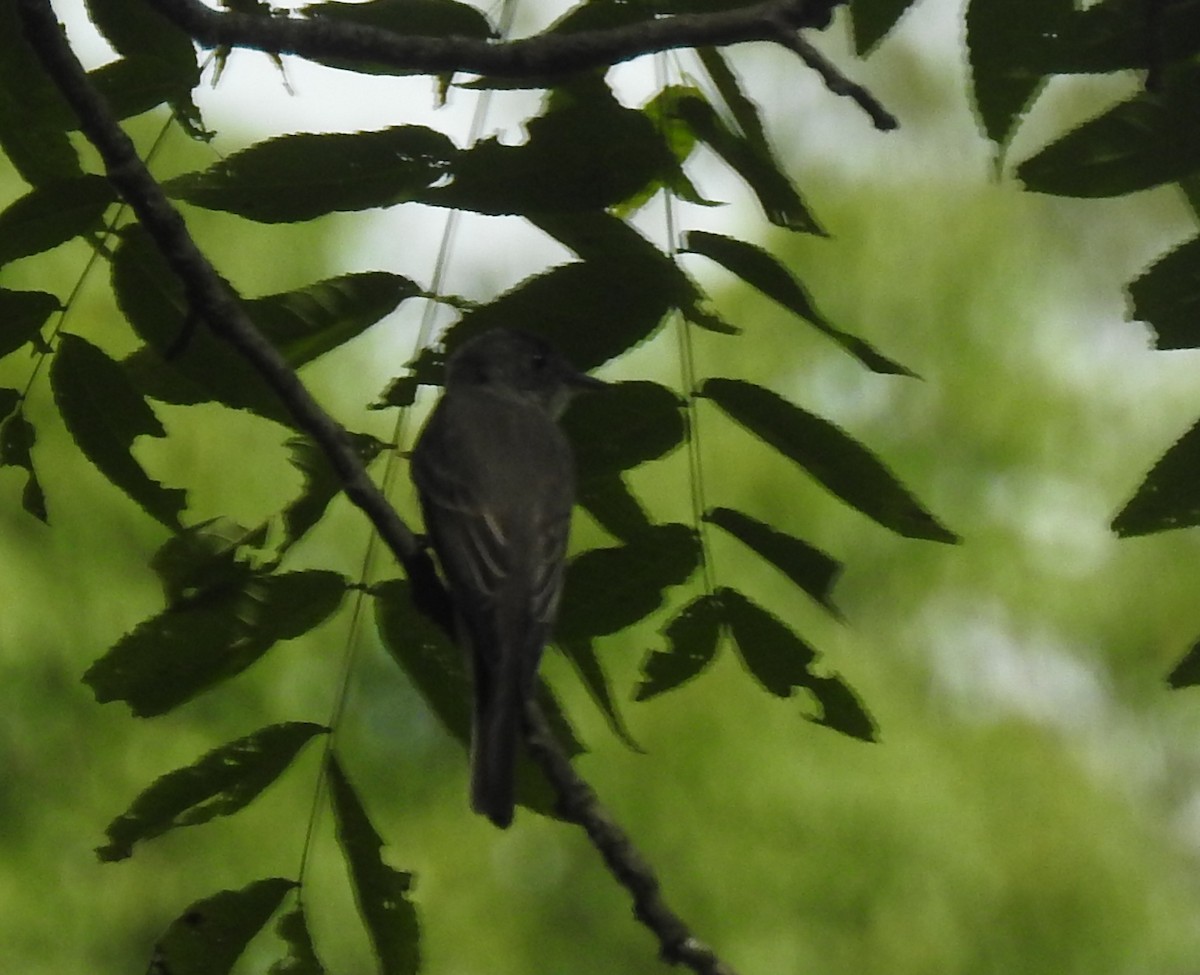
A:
(495, 735)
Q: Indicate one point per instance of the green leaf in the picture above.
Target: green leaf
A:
(873, 20)
(433, 664)
(307, 322)
(31, 110)
(321, 482)
(17, 437)
(203, 559)
(1168, 497)
(744, 111)
(762, 271)
(221, 783)
(608, 589)
(843, 465)
(1186, 673)
(1010, 44)
(302, 956)
(691, 637)
(808, 567)
(586, 152)
(188, 648)
(582, 655)
(187, 361)
(607, 498)
(300, 177)
(104, 415)
(436, 668)
(780, 661)
(53, 213)
(136, 84)
(22, 315)
(136, 29)
(208, 937)
(381, 892)
(1168, 297)
(1153, 138)
(649, 417)
(780, 201)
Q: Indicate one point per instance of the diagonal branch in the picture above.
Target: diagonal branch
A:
(213, 301)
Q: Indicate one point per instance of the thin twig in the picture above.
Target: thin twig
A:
(837, 82)
(578, 803)
(218, 306)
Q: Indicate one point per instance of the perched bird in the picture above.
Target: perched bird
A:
(496, 482)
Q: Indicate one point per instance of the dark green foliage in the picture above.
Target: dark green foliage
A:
(222, 782)
(1167, 297)
(22, 315)
(382, 892)
(1167, 498)
(829, 454)
(17, 437)
(760, 270)
(105, 415)
(299, 177)
(691, 645)
(208, 937)
(808, 567)
(302, 956)
(1151, 139)
(873, 19)
(51, 214)
(211, 637)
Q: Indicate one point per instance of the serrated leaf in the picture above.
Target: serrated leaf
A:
(300, 177)
(302, 956)
(649, 417)
(136, 29)
(691, 637)
(762, 271)
(53, 213)
(1186, 673)
(437, 669)
(1153, 138)
(171, 657)
(608, 499)
(424, 18)
(840, 463)
(381, 892)
(17, 437)
(203, 558)
(780, 661)
(1168, 497)
(305, 323)
(744, 111)
(1167, 296)
(585, 152)
(807, 566)
(31, 110)
(221, 783)
(1010, 44)
(133, 85)
(778, 197)
(873, 20)
(582, 655)
(321, 482)
(208, 937)
(22, 315)
(104, 415)
(608, 589)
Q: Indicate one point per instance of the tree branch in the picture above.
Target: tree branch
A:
(579, 804)
(548, 54)
(213, 301)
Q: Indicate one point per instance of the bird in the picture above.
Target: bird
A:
(495, 480)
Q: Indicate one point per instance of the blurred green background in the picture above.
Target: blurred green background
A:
(1032, 806)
